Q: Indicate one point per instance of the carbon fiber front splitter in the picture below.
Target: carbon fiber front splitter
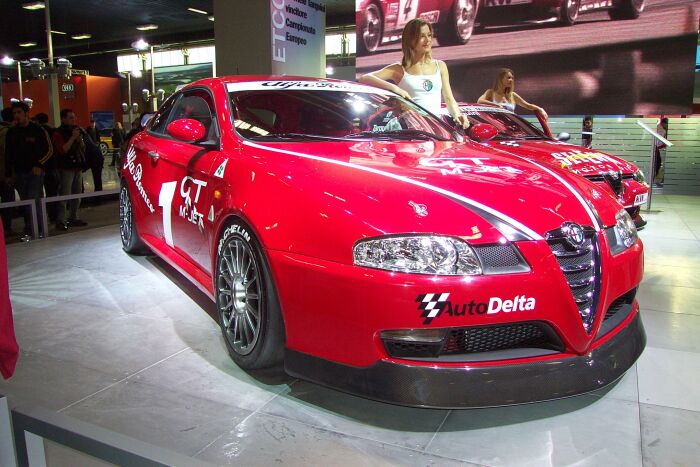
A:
(486, 386)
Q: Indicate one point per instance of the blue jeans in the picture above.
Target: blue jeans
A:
(30, 186)
(7, 194)
(71, 184)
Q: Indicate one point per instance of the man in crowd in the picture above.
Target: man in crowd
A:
(69, 144)
(27, 149)
(7, 191)
(51, 179)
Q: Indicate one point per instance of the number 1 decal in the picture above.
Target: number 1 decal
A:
(165, 201)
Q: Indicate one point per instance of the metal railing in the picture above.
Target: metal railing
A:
(30, 426)
(42, 214)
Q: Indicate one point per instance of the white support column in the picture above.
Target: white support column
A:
(8, 458)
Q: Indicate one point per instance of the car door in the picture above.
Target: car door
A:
(184, 195)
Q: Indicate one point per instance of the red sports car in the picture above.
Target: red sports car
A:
(567, 12)
(518, 136)
(381, 21)
(358, 239)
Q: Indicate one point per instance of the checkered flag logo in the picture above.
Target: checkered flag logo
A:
(432, 305)
(510, 143)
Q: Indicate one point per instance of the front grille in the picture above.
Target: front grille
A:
(619, 303)
(502, 337)
(581, 268)
(479, 340)
(500, 259)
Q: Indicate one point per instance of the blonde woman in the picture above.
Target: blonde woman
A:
(420, 78)
(503, 93)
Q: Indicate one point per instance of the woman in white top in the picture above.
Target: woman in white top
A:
(419, 77)
(503, 93)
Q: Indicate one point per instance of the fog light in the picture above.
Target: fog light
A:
(427, 336)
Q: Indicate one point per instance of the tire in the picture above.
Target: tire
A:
(459, 27)
(131, 242)
(568, 12)
(104, 149)
(246, 301)
(371, 31)
(627, 9)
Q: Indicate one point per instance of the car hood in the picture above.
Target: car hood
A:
(523, 199)
(577, 159)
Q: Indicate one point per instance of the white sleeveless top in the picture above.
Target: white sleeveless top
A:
(508, 105)
(425, 90)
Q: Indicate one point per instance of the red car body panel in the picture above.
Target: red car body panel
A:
(308, 203)
(587, 162)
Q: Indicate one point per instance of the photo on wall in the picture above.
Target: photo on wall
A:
(572, 57)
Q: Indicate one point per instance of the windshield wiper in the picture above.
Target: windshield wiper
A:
(398, 134)
(292, 136)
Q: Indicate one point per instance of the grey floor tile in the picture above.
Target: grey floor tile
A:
(665, 275)
(667, 298)
(52, 383)
(126, 344)
(339, 412)
(669, 378)
(670, 436)
(207, 372)
(264, 440)
(165, 418)
(673, 331)
(683, 253)
(582, 430)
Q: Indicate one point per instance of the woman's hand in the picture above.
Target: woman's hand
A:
(403, 93)
(462, 120)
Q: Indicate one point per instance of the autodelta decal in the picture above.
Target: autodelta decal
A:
(188, 209)
(462, 165)
(136, 171)
(305, 85)
(433, 305)
(570, 159)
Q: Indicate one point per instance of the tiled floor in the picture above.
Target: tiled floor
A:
(127, 344)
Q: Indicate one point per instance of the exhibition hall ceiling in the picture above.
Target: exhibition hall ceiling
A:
(112, 25)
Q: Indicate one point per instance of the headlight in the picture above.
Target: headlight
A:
(639, 176)
(624, 234)
(419, 254)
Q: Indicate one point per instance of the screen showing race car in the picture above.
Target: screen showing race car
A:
(614, 57)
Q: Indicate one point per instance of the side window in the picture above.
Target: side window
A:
(160, 120)
(197, 105)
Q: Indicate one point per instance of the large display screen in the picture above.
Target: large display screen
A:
(606, 62)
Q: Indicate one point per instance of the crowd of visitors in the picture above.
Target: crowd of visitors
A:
(38, 160)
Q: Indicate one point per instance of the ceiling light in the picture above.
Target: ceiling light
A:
(58, 32)
(147, 27)
(7, 60)
(201, 12)
(34, 5)
(78, 37)
(211, 18)
(27, 44)
(140, 44)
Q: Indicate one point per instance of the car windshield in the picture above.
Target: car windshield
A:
(509, 125)
(357, 112)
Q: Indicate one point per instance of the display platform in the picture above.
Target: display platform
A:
(128, 344)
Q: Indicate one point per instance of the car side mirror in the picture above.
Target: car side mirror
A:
(482, 132)
(563, 136)
(186, 129)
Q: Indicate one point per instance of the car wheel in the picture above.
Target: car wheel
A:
(627, 9)
(568, 13)
(371, 31)
(459, 26)
(104, 149)
(131, 242)
(249, 313)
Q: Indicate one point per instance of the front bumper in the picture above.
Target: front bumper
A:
(483, 386)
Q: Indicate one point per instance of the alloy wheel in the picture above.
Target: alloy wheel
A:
(239, 291)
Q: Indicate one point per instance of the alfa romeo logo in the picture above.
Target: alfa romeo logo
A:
(573, 234)
(427, 85)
